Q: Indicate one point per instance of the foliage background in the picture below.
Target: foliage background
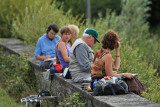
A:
(27, 20)
(6, 100)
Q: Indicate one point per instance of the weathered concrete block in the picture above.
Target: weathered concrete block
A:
(15, 46)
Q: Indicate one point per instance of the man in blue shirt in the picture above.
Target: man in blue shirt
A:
(45, 47)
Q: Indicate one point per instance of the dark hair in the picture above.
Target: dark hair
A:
(110, 40)
(53, 27)
(65, 29)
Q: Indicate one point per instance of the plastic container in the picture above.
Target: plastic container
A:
(94, 84)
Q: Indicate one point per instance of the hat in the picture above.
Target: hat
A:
(92, 32)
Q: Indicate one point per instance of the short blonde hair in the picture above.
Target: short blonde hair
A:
(74, 29)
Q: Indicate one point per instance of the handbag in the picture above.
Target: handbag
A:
(134, 85)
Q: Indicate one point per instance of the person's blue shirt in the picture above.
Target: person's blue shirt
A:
(45, 46)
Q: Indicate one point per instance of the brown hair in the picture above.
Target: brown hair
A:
(65, 29)
(110, 40)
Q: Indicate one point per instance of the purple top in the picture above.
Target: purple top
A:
(62, 61)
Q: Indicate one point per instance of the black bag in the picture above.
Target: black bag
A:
(110, 87)
(47, 64)
(44, 93)
(66, 73)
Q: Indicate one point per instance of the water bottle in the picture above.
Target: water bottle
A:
(94, 84)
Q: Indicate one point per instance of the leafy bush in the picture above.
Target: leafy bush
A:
(133, 22)
(96, 8)
(132, 63)
(6, 100)
(17, 75)
(136, 46)
(10, 9)
(73, 101)
(37, 18)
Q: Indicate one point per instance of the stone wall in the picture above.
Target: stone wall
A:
(64, 88)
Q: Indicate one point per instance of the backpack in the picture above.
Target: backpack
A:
(112, 86)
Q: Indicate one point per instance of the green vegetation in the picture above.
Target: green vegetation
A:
(74, 101)
(10, 9)
(98, 8)
(28, 21)
(6, 101)
(18, 79)
(35, 20)
(17, 76)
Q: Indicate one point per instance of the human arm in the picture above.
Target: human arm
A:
(116, 62)
(62, 48)
(107, 59)
(42, 57)
(38, 51)
(82, 57)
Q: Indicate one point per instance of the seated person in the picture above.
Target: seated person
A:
(81, 56)
(63, 47)
(74, 32)
(103, 62)
(45, 47)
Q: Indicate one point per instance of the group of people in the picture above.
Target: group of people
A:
(78, 56)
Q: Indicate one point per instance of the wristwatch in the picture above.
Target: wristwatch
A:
(123, 75)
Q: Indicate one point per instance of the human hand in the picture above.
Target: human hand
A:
(47, 57)
(128, 75)
(115, 72)
(118, 46)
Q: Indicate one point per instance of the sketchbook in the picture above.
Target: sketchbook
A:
(50, 59)
(134, 75)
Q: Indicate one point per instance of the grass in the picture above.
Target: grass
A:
(3, 39)
(6, 100)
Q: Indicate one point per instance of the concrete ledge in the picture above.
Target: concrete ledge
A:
(64, 88)
(15, 46)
